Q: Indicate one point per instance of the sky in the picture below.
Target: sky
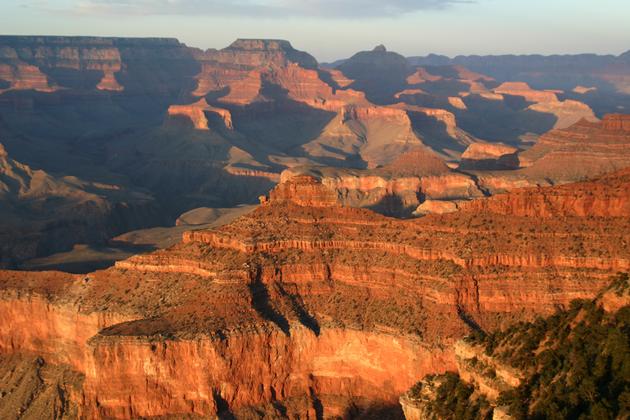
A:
(334, 29)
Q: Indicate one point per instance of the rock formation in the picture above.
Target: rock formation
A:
(379, 73)
(421, 75)
(302, 307)
(583, 150)
(603, 197)
(489, 156)
(21, 76)
(457, 102)
(567, 112)
(115, 65)
(515, 372)
(196, 112)
(582, 90)
(524, 90)
(616, 122)
(435, 206)
(106, 110)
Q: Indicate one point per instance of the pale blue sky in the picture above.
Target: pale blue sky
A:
(331, 29)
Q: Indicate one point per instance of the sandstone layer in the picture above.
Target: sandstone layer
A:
(585, 149)
(489, 156)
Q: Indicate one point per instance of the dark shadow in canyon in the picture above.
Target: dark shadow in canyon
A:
(493, 120)
(223, 408)
(349, 160)
(298, 307)
(261, 302)
(280, 125)
(444, 88)
(107, 258)
(468, 319)
(434, 133)
(375, 411)
(392, 205)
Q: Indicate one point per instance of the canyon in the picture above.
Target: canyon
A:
(247, 233)
(186, 128)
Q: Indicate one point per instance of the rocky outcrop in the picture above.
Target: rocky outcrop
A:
(608, 73)
(582, 90)
(87, 64)
(53, 53)
(524, 90)
(489, 156)
(415, 404)
(304, 190)
(338, 77)
(435, 207)
(420, 162)
(420, 76)
(285, 367)
(409, 92)
(616, 122)
(488, 375)
(367, 134)
(457, 102)
(604, 197)
(515, 371)
(254, 173)
(241, 69)
(21, 76)
(584, 150)
(398, 188)
(109, 82)
(441, 115)
(196, 112)
(567, 112)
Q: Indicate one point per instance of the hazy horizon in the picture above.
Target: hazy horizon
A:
(336, 29)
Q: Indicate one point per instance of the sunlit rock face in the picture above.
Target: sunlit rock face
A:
(489, 156)
(586, 149)
(330, 307)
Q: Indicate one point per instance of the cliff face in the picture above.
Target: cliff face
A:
(304, 191)
(303, 306)
(489, 156)
(604, 197)
(196, 112)
(245, 66)
(584, 150)
(514, 372)
(48, 64)
(396, 189)
(616, 122)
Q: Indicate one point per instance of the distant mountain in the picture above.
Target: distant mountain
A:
(605, 72)
(380, 73)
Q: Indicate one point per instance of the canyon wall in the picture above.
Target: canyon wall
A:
(307, 307)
